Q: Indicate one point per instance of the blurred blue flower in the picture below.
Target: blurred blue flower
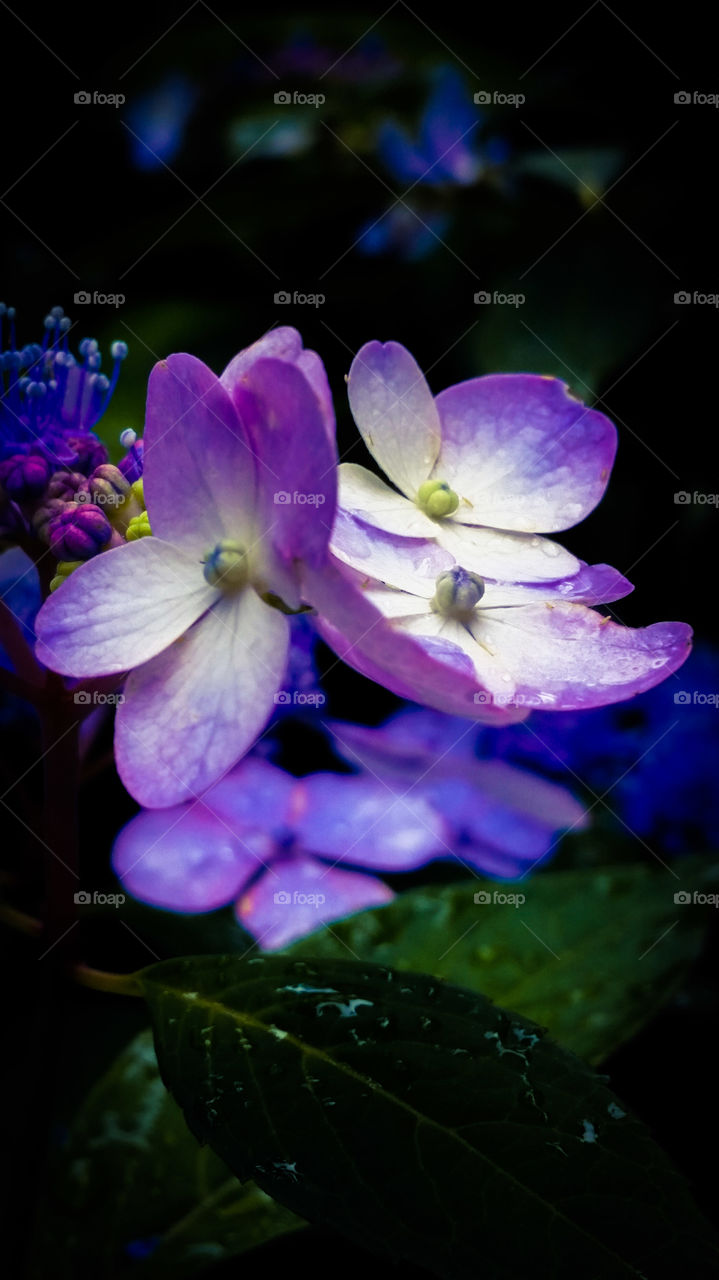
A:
(657, 756)
(444, 150)
(159, 119)
(404, 232)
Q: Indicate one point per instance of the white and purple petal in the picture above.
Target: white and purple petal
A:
(522, 453)
(121, 609)
(395, 413)
(190, 713)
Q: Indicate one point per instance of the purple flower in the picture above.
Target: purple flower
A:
(455, 559)
(500, 822)
(195, 613)
(278, 847)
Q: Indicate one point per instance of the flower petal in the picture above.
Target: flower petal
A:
(301, 895)
(191, 712)
(510, 557)
(255, 794)
(182, 858)
(121, 609)
(523, 452)
(285, 343)
(564, 655)
(594, 584)
(298, 461)
(409, 563)
(427, 670)
(395, 412)
(366, 497)
(199, 462)
(359, 821)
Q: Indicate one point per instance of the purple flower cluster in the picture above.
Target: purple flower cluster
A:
(56, 485)
(444, 588)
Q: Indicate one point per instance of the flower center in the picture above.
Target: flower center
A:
(456, 594)
(227, 566)
(436, 499)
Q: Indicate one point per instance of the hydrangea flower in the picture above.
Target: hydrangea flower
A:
(293, 853)
(239, 483)
(455, 558)
(483, 469)
(277, 847)
(500, 822)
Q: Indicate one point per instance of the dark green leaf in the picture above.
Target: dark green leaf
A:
(591, 955)
(132, 1179)
(419, 1120)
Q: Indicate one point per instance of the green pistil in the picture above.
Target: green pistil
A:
(139, 527)
(436, 499)
(457, 593)
(226, 566)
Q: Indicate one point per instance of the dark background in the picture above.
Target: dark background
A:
(601, 304)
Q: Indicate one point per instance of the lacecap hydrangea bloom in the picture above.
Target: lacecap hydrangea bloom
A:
(196, 612)
(455, 555)
(293, 853)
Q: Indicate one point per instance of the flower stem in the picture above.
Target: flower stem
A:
(60, 723)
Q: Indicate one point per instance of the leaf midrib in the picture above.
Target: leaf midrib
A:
(245, 1019)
